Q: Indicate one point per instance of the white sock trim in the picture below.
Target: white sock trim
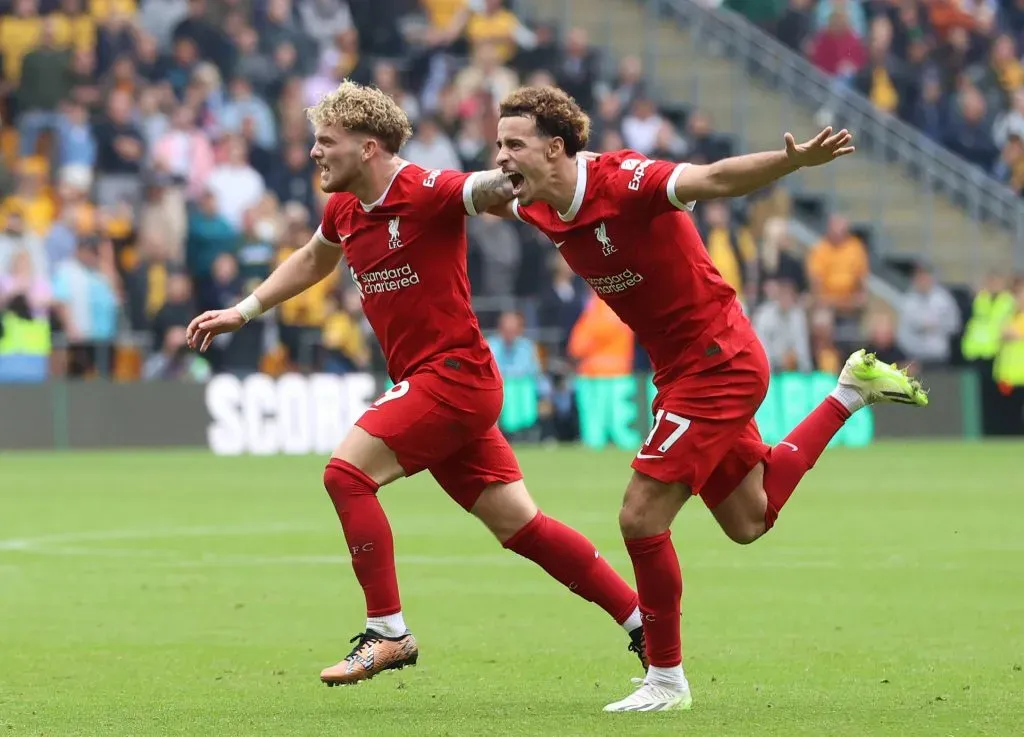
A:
(391, 625)
(668, 677)
(848, 397)
(633, 621)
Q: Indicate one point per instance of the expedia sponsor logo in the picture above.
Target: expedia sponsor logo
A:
(386, 280)
(615, 284)
(638, 174)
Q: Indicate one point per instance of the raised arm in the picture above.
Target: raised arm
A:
(741, 175)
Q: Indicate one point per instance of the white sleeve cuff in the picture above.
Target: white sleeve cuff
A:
(515, 210)
(671, 190)
(323, 238)
(467, 193)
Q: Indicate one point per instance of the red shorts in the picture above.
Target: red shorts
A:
(447, 428)
(704, 432)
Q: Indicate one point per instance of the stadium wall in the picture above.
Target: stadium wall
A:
(296, 414)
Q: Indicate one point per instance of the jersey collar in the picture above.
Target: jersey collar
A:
(581, 189)
(380, 200)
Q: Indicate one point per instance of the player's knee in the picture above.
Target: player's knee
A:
(746, 531)
(343, 480)
(636, 522)
(505, 509)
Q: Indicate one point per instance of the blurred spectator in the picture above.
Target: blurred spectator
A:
(837, 50)
(244, 105)
(431, 148)
(515, 354)
(883, 80)
(796, 24)
(992, 306)
(32, 199)
(120, 154)
(1008, 370)
(386, 78)
(85, 290)
(323, 20)
(498, 243)
(486, 76)
(177, 309)
(45, 81)
(928, 320)
(343, 338)
(294, 177)
(22, 277)
(777, 260)
(881, 338)
(235, 184)
(702, 145)
(184, 152)
(16, 239)
(640, 128)
(163, 220)
(931, 111)
(209, 235)
(823, 347)
(838, 268)
(781, 324)
(600, 343)
(176, 361)
(1010, 168)
(577, 71)
(561, 302)
(732, 249)
(970, 129)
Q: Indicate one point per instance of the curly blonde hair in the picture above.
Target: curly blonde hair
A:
(554, 112)
(363, 110)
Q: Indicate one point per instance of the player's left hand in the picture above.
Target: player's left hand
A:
(821, 149)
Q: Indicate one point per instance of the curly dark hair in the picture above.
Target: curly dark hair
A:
(555, 113)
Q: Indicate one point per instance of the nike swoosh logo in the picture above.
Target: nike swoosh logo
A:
(558, 244)
(789, 445)
(645, 457)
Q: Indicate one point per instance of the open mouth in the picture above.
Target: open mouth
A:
(518, 180)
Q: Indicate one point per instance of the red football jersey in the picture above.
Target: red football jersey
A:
(407, 256)
(628, 236)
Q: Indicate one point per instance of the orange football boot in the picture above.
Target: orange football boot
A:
(372, 654)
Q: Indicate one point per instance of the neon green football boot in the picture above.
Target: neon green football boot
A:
(878, 382)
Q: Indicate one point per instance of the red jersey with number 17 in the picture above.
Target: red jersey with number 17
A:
(407, 256)
(627, 235)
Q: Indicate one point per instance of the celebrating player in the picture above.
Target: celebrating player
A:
(402, 231)
(619, 222)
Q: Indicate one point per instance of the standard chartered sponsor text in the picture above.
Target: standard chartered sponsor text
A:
(617, 283)
(388, 280)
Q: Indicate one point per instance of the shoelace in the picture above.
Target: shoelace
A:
(362, 640)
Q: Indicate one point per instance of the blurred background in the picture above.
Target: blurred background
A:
(154, 163)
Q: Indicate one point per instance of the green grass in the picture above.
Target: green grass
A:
(182, 594)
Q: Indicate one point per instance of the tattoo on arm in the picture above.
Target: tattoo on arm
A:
(491, 189)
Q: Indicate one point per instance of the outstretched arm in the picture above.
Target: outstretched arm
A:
(741, 175)
(492, 192)
(304, 268)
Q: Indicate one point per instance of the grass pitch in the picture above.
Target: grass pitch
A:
(183, 594)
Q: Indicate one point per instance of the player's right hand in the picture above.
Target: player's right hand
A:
(202, 330)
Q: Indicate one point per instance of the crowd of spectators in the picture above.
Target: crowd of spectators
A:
(154, 163)
(951, 68)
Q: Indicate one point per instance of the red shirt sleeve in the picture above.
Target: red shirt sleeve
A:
(328, 230)
(449, 192)
(649, 182)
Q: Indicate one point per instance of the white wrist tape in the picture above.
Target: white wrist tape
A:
(250, 307)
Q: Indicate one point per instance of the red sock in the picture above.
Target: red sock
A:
(659, 580)
(796, 455)
(572, 560)
(368, 535)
